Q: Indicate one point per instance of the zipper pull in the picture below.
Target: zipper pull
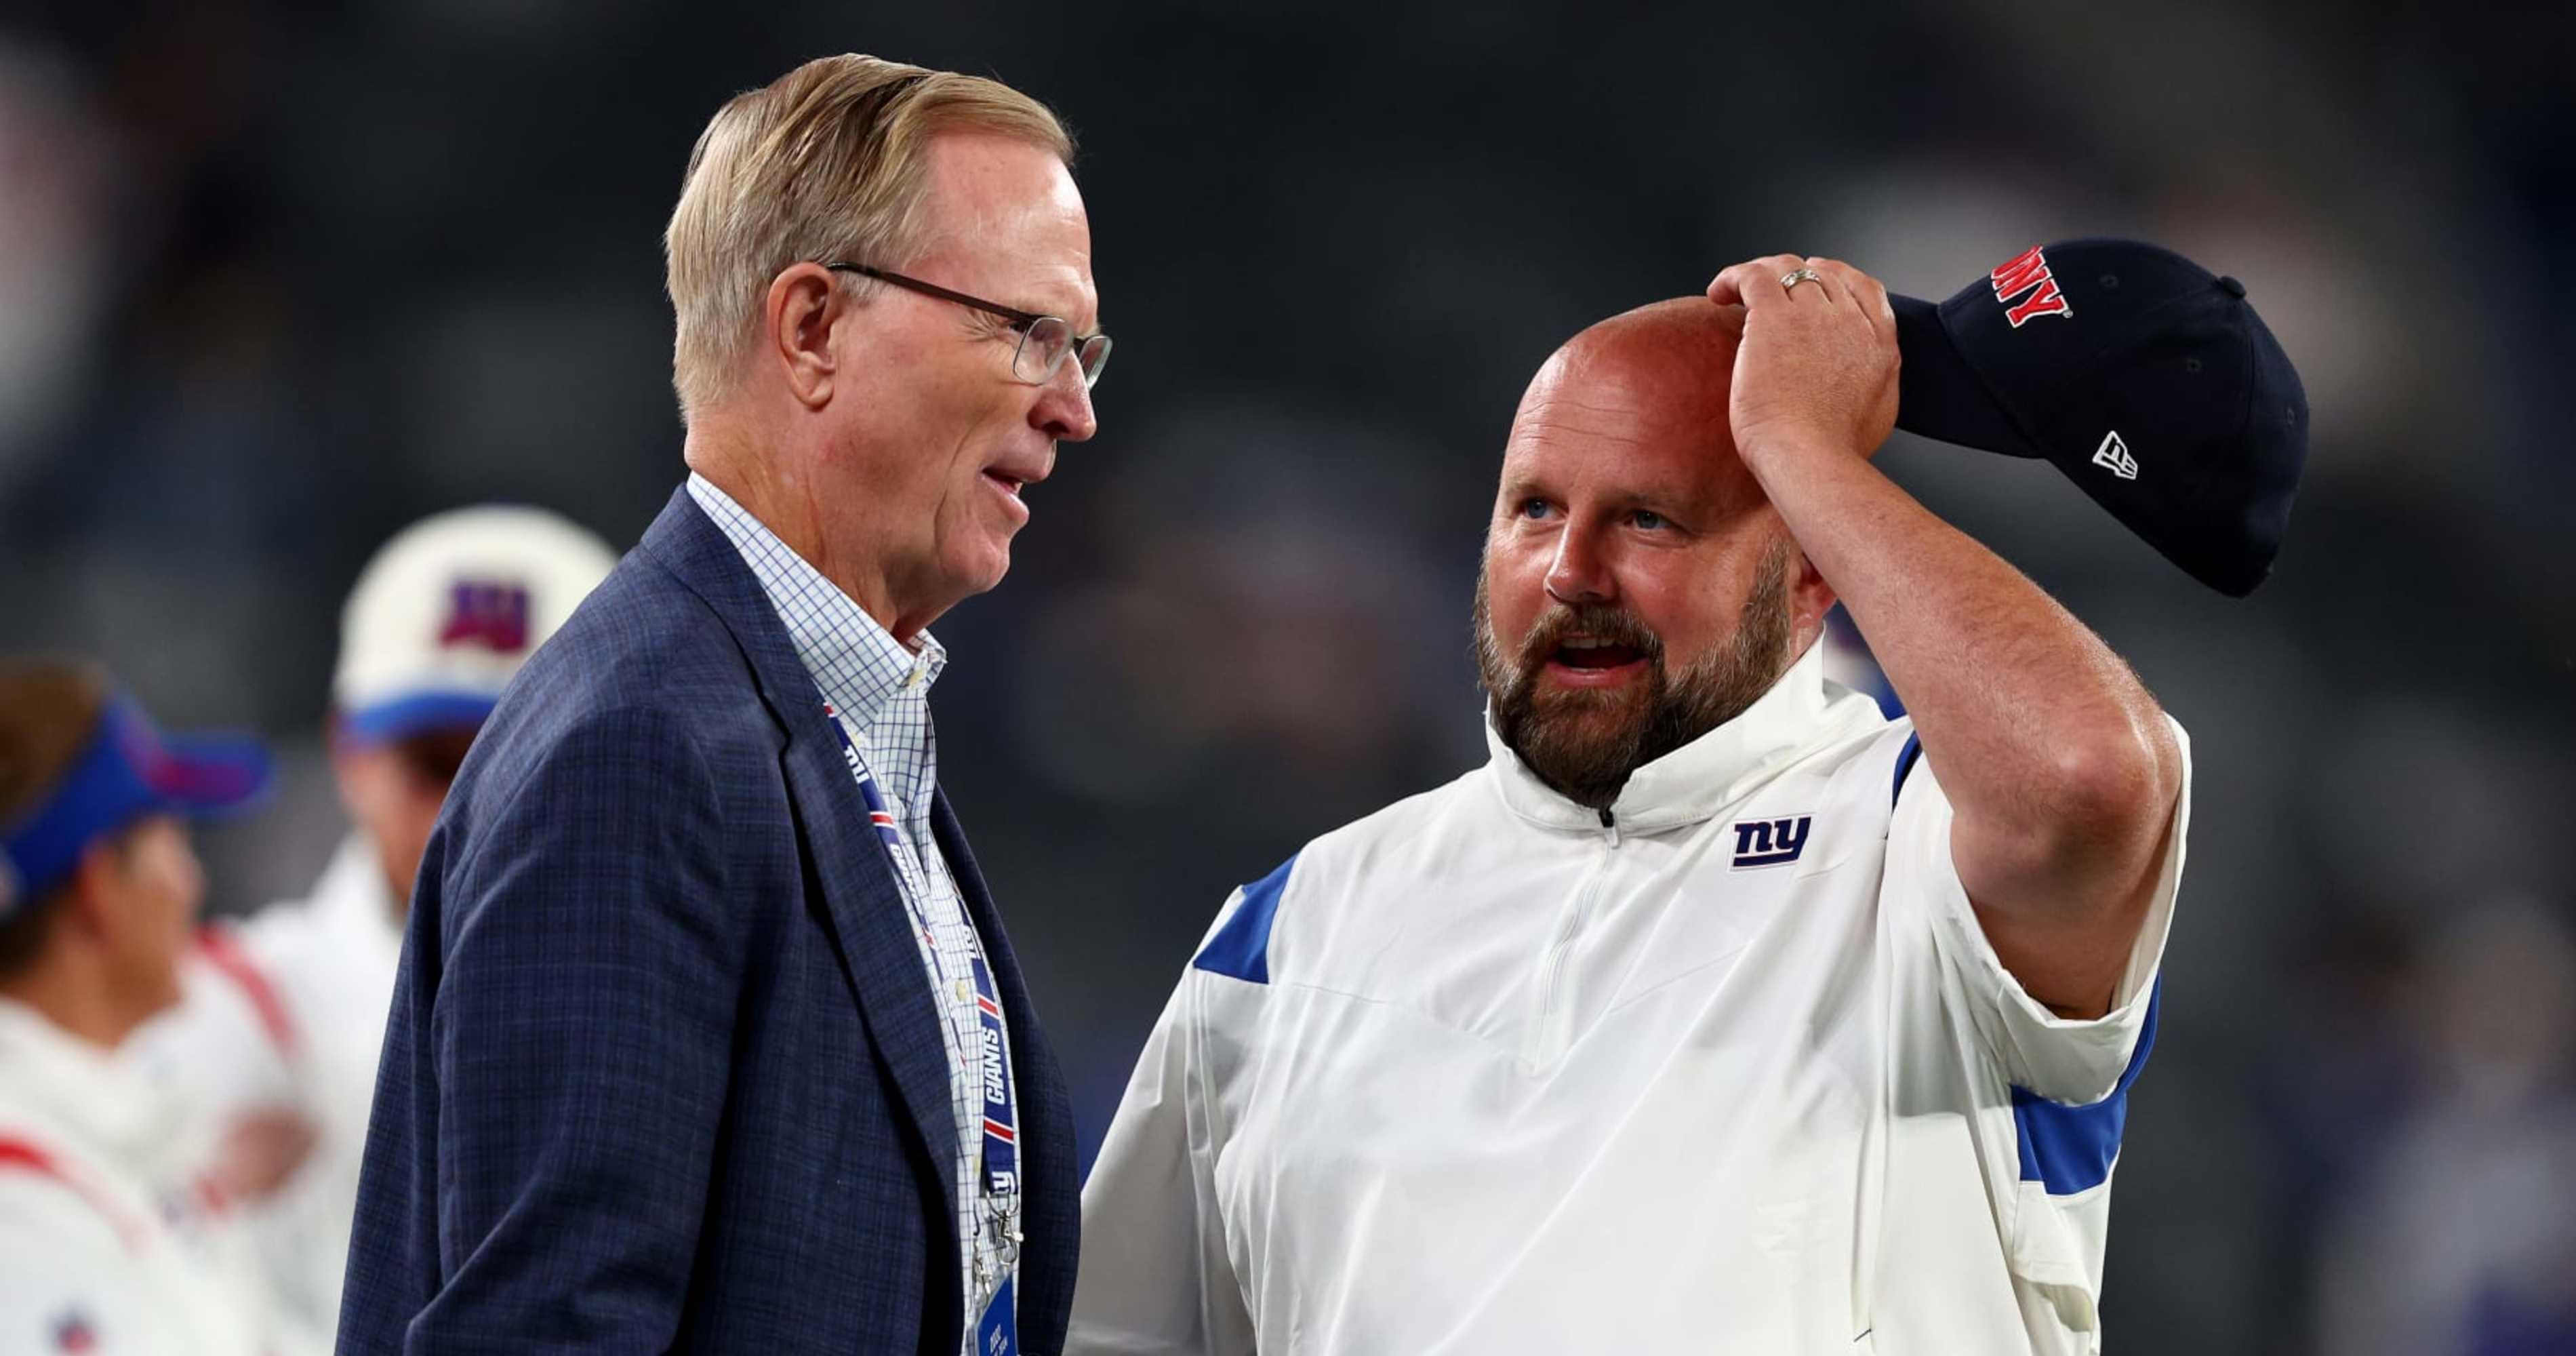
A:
(1610, 826)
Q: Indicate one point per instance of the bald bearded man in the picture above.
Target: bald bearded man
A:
(1706, 1015)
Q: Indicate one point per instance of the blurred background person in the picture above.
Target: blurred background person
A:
(276, 280)
(285, 1013)
(112, 1239)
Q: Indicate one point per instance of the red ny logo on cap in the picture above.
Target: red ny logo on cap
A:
(482, 612)
(2027, 271)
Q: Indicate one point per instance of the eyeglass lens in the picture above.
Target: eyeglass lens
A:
(1044, 347)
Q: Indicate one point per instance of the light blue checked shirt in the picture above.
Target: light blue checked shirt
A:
(881, 691)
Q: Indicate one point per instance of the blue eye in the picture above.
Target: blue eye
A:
(1647, 519)
(1533, 508)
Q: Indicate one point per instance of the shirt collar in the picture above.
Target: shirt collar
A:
(858, 664)
(1801, 713)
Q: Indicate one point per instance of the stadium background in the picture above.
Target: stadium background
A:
(277, 279)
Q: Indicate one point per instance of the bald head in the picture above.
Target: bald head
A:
(1648, 385)
(1675, 355)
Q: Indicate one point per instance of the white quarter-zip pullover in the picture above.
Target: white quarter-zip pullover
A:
(1731, 1068)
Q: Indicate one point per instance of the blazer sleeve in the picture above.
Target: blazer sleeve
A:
(579, 1035)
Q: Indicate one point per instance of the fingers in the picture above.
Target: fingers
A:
(1813, 281)
(1758, 285)
(1755, 283)
(1866, 292)
(1818, 360)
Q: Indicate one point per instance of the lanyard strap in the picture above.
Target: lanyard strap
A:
(1001, 1122)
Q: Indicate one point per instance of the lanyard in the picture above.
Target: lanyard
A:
(1001, 1123)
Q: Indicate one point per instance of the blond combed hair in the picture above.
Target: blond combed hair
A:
(823, 164)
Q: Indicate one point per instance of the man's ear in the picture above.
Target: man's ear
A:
(1810, 598)
(804, 304)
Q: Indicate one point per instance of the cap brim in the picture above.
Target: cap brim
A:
(1938, 395)
(210, 775)
(422, 713)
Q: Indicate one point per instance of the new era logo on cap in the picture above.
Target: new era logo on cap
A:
(2113, 456)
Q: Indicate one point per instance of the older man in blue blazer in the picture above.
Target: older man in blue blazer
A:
(707, 1035)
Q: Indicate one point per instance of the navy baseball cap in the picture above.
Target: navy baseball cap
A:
(2148, 381)
(80, 759)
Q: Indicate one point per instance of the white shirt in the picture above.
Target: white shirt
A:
(286, 1010)
(1733, 1072)
(106, 1246)
(879, 691)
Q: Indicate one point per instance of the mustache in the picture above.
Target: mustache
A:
(1598, 621)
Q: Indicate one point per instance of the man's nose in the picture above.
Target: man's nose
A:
(1064, 408)
(1578, 574)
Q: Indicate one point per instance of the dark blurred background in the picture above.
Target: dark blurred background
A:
(277, 279)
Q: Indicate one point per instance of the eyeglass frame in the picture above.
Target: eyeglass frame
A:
(1022, 321)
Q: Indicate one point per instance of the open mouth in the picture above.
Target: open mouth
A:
(1010, 484)
(1580, 656)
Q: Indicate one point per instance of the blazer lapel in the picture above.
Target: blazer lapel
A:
(863, 905)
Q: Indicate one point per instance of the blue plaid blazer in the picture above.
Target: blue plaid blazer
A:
(663, 1073)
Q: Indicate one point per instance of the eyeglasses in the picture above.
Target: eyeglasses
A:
(1045, 340)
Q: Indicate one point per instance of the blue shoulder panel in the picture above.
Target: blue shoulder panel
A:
(2069, 1149)
(1241, 949)
(1905, 765)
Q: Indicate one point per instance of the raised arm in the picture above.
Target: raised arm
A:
(2062, 770)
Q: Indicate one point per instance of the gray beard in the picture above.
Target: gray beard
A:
(1585, 743)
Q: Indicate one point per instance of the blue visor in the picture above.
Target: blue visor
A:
(129, 770)
(421, 713)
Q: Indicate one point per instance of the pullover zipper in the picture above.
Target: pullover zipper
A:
(1550, 1025)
